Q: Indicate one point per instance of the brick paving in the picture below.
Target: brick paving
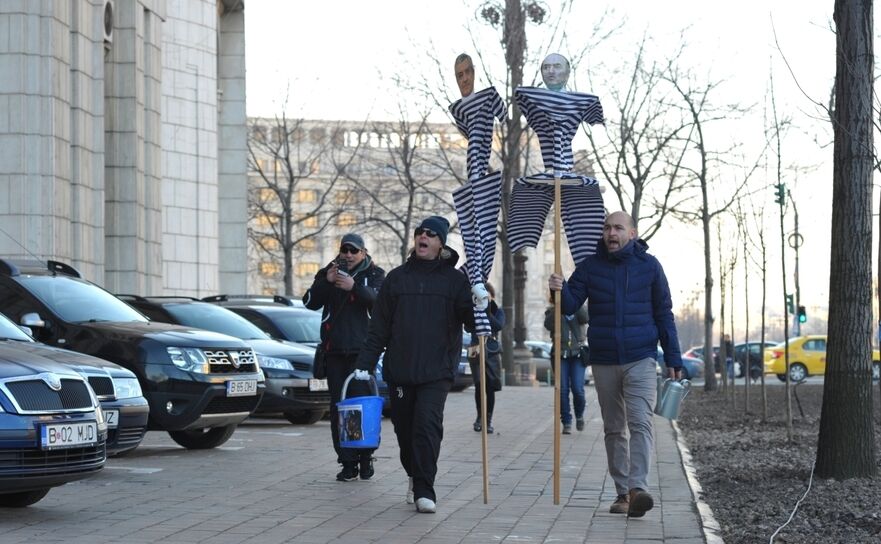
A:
(274, 482)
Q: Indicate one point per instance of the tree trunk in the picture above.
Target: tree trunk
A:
(709, 366)
(514, 43)
(846, 446)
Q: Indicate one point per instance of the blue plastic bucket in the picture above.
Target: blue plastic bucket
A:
(360, 418)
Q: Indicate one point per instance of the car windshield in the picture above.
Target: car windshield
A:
(214, 318)
(302, 327)
(78, 301)
(9, 331)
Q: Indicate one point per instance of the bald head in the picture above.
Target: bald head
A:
(555, 71)
(618, 230)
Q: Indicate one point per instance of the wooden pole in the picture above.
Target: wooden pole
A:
(483, 418)
(558, 269)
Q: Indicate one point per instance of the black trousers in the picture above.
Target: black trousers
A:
(418, 416)
(338, 369)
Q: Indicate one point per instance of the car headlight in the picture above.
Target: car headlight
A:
(274, 362)
(189, 359)
(126, 388)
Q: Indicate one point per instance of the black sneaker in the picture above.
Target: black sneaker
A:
(579, 423)
(349, 473)
(489, 428)
(366, 471)
(477, 425)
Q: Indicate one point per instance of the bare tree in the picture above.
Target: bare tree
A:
(696, 102)
(404, 175)
(294, 168)
(846, 444)
(647, 138)
(757, 240)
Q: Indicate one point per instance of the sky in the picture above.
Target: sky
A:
(337, 59)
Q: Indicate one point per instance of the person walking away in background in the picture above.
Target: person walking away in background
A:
(493, 362)
(572, 366)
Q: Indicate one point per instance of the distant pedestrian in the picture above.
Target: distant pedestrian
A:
(417, 320)
(572, 366)
(630, 311)
(492, 377)
(345, 291)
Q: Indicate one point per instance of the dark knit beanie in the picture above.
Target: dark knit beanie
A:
(439, 225)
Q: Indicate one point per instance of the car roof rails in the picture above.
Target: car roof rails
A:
(139, 298)
(253, 299)
(14, 267)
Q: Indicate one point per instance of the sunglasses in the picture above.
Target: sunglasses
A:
(428, 232)
(350, 250)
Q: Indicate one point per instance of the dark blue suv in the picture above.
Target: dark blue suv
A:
(52, 430)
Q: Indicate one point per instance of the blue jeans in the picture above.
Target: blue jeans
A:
(572, 378)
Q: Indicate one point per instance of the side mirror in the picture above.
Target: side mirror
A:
(33, 320)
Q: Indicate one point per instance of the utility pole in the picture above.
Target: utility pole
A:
(781, 200)
(795, 241)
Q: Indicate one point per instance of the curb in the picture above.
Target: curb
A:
(709, 525)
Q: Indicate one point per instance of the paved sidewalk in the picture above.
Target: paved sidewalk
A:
(274, 482)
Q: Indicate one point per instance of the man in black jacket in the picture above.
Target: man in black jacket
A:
(417, 320)
(346, 290)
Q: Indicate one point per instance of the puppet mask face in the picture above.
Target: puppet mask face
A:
(555, 71)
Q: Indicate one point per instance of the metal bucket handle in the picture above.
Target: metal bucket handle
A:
(352, 375)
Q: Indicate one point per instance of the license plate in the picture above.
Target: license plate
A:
(55, 436)
(241, 388)
(112, 417)
(317, 385)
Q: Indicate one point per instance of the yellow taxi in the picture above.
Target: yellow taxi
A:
(807, 357)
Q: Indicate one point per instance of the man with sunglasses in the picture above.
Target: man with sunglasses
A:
(345, 291)
(417, 320)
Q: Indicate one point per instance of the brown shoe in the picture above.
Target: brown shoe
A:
(640, 503)
(621, 505)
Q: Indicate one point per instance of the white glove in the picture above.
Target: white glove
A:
(362, 375)
(480, 296)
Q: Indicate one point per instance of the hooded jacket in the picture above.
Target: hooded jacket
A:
(629, 305)
(345, 315)
(417, 319)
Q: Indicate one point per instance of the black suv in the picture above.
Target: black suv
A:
(199, 385)
(277, 316)
(290, 388)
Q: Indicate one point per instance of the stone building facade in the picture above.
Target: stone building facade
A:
(121, 124)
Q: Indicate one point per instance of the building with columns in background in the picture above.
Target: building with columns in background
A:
(123, 144)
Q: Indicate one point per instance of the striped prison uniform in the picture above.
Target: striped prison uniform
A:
(477, 202)
(555, 116)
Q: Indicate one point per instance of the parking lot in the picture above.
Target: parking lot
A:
(274, 482)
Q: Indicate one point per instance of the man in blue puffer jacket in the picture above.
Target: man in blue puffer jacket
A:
(630, 312)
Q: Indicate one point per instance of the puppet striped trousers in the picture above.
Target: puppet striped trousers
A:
(582, 214)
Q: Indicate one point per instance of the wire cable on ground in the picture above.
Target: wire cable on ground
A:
(797, 504)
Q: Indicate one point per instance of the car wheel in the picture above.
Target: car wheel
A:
(20, 500)
(203, 439)
(876, 371)
(685, 374)
(781, 377)
(797, 372)
(304, 417)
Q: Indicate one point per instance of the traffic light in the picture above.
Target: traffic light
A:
(802, 315)
(790, 304)
(780, 194)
